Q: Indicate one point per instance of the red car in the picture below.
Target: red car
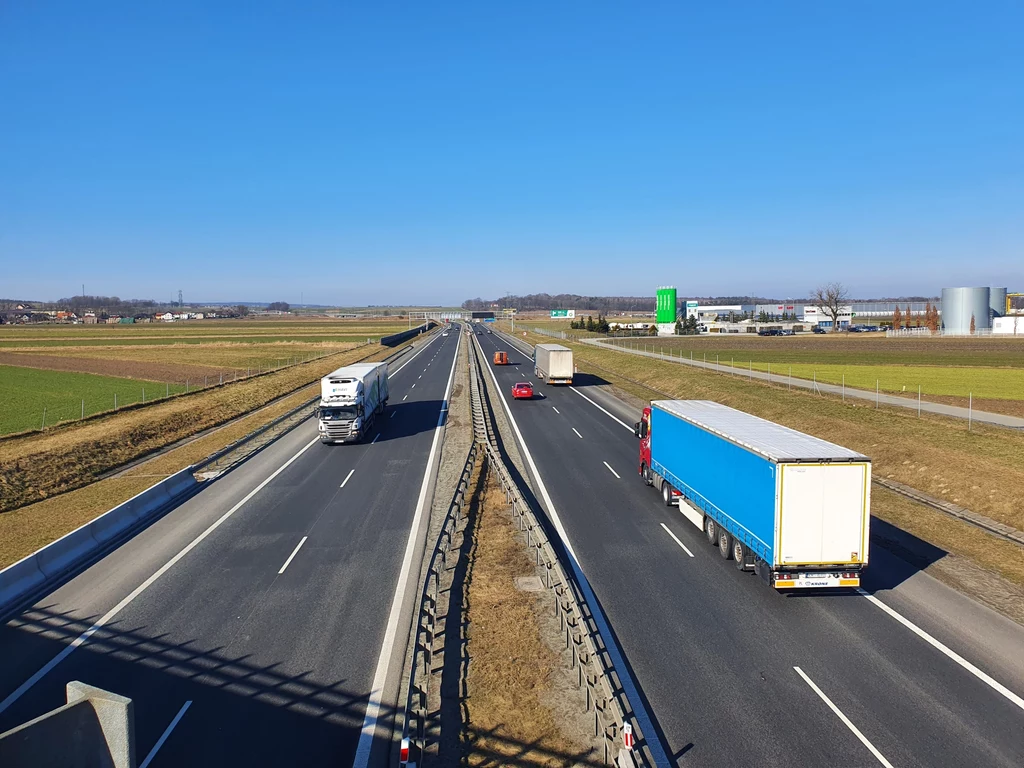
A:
(522, 390)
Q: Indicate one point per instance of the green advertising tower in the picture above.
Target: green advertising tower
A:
(666, 308)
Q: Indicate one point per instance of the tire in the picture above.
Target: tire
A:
(710, 529)
(666, 494)
(724, 543)
(739, 554)
(645, 472)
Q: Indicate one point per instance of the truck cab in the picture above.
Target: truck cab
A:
(642, 429)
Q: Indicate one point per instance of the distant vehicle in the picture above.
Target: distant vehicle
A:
(445, 333)
(350, 400)
(854, 329)
(788, 332)
(522, 390)
(792, 507)
(818, 329)
(488, 330)
(770, 332)
(501, 358)
(553, 363)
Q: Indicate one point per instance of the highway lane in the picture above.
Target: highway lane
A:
(276, 661)
(716, 652)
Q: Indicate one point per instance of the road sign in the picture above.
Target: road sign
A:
(628, 739)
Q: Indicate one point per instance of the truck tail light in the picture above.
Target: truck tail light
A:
(403, 755)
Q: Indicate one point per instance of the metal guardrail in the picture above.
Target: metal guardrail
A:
(605, 696)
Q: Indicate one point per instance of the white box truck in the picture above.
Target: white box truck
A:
(553, 363)
(792, 507)
(350, 400)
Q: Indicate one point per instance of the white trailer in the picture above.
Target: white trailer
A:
(553, 363)
(350, 400)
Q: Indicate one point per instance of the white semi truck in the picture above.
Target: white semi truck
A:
(553, 363)
(350, 400)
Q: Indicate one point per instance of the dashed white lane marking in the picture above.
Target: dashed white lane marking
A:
(612, 470)
(687, 551)
(293, 554)
(347, 478)
(577, 433)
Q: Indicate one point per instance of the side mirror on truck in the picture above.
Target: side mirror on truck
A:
(636, 430)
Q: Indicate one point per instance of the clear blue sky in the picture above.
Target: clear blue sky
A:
(431, 152)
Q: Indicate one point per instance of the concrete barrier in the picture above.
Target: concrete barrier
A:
(95, 728)
(397, 338)
(49, 564)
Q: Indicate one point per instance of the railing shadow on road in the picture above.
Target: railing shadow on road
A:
(243, 712)
(582, 380)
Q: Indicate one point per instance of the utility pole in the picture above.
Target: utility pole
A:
(180, 302)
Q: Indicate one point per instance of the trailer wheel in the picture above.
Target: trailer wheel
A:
(739, 554)
(666, 494)
(710, 529)
(724, 543)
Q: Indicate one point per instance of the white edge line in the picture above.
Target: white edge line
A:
(846, 721)
(373, 704)
(603, 410)
(404, 398)
(293, 554)
(109, 615)
(347, 478)
(988, 680)
(393, 414)
(163, 737)
(669, 532)
(614, 653)
(422, 349)
(577, 433)
(376, 438)
(612, 470)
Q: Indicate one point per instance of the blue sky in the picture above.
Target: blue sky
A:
(361, 153)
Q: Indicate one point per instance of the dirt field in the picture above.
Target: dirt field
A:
(103, 365)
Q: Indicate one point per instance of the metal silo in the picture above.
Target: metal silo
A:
(665, 311)
(959, 305)
(997, 301)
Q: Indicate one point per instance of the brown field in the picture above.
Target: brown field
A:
(127, 368)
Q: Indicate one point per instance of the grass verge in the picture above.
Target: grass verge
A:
(508, 716)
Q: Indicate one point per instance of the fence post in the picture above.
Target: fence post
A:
(876, 393)
(206, 381)
(222, 377)
(919, 401)
(167, 389)
(844, 387)
(143, 394)
(791, 377)
(970, 410)
(43, 425)
(115, 401)
(186, 386)
(83, 408)
(769, 372)
(750, 370)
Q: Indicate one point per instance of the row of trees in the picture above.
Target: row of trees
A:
(594, 326)
(931, 319)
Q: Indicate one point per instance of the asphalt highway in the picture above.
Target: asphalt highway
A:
(247, 624)
(908, 673)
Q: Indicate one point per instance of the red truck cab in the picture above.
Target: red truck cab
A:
(642, 429)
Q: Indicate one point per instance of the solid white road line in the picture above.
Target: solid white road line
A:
(424, 348)
(404, 398)
(687, 551)
(370, 719)
(109, 615)
(347, 478)
(577, 433)
(163, 737)
(376, 438)
(603, 410)
(293, 554)
(846, 721)
(393, 413)
(614, 652)
(556, 410)
(612, 470)
(989, 681)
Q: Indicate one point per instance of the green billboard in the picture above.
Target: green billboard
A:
(665, 311)
(563, 313)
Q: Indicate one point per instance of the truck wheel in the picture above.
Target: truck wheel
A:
(724, 543)
(710, 529)
(739, 554)
(645, 472)
(666, 494)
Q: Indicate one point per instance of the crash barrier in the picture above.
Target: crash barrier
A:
(398, 338)
(614, 722)
(94, 728)
(47, 566)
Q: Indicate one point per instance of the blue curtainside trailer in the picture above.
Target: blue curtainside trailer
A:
(792, 507)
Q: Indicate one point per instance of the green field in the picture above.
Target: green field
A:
(25, 392)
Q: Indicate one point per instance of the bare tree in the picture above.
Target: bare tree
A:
(829, 299)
